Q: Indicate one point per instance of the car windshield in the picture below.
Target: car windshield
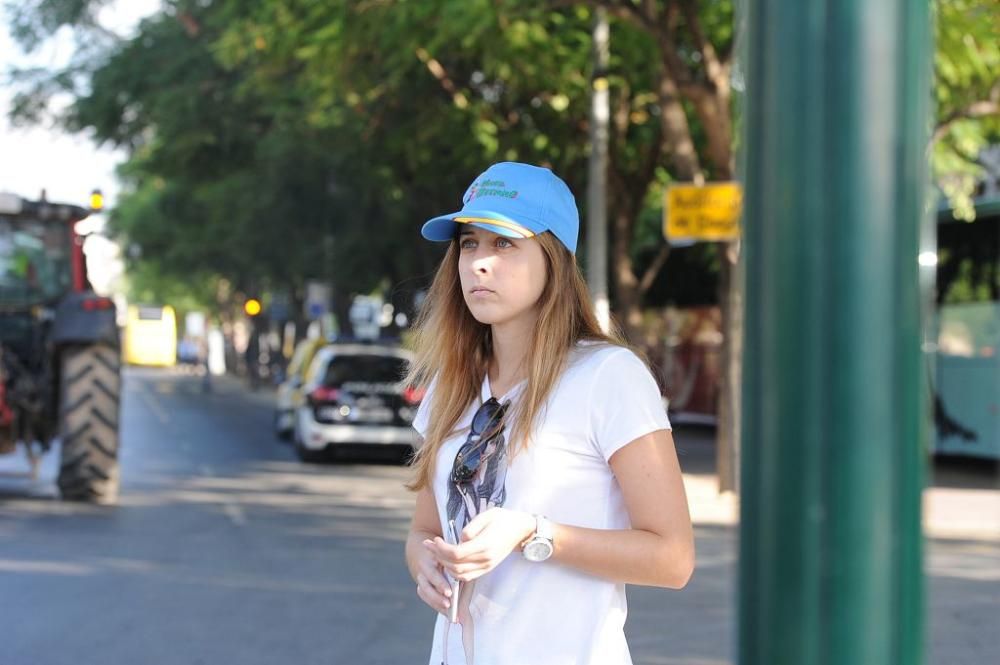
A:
(364, 369)
(34, 261)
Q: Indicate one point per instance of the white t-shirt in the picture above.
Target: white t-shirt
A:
(545, 613)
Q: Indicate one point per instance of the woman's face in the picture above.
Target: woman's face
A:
(502, 278)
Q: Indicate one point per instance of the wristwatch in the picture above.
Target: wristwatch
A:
(539, 547)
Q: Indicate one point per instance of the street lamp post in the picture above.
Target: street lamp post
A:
(834, 401)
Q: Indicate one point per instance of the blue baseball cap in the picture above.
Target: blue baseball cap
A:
(513, 200)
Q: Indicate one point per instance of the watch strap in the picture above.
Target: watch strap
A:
(543, 528)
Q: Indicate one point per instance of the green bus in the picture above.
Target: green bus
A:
(966, 333)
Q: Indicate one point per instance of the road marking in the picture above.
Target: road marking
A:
(154, 406)
(45, 567)
(235, 513)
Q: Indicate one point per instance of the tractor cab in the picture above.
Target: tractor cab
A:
(59, 349)
(41, 256)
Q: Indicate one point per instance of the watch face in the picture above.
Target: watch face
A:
(538, 550)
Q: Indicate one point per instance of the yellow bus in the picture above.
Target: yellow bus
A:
(151, 336)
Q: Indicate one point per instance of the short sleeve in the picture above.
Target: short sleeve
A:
(625, 402)
(422, 419)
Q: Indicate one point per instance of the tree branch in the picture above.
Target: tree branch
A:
(438, 71)
(704, 46)
(977, 109)
(630, 12)
(676, 132)
(649, 9)
(676, 68)
(654, 268)
(620, 115)
(648, 168)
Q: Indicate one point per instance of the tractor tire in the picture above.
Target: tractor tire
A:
(88, 414)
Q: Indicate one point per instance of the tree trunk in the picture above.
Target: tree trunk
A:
(716, 119)
(676, 131)
(711, 103)
(730, 290)
(627, 298)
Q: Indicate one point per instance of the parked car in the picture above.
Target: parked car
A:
(290, 390)
(352, 396)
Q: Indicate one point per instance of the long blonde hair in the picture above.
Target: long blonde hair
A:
(453, 349)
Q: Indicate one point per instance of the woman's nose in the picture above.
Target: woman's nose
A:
(481, 263)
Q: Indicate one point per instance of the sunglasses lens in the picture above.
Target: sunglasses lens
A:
(485, 416)
(470, 456)
(467, 463)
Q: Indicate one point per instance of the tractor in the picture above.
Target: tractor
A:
(60, 358)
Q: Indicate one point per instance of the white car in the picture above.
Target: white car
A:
(289, 395)
(352, 396)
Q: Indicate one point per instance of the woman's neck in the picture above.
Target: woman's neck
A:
(510, 348)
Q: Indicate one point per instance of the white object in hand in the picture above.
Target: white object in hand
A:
(456, 586)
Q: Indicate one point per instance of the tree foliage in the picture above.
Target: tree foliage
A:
(967, 95)
(274, 141)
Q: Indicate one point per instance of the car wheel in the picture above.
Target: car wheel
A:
(338, 454)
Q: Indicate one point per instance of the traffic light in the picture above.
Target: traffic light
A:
(252, 307)
(96, 200)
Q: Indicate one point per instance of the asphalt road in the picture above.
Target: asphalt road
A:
(225, 549)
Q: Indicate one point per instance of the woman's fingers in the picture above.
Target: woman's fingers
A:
(464, 562)
(468, 572)
(448, 554)
(427, 593)
(444, 552)
(478, 523)
(472, 575)
(463, 568)
(434, 574)
(440, 583)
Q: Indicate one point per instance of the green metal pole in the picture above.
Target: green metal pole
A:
(834, 403)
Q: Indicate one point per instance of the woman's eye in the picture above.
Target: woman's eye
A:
(504, 242)
(468, 243)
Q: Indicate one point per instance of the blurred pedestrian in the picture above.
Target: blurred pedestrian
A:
(548, 477)
(252, 358)
(203, 364)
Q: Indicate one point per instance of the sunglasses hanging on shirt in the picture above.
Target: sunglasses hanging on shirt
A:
(485, 425)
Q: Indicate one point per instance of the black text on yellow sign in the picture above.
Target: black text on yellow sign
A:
(705, 212)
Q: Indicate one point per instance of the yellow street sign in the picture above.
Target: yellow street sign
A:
(707, 212)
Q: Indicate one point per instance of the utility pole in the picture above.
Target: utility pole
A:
(835, 413)
(597, 204)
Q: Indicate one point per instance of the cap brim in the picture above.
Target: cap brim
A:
(444, 228)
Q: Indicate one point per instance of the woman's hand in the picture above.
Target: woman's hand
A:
(486, 541)
(432, 586)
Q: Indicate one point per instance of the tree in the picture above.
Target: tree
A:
(277, 140)
(966, 95)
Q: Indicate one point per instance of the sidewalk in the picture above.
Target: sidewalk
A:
(961, 501)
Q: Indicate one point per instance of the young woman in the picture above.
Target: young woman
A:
(548, 477)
